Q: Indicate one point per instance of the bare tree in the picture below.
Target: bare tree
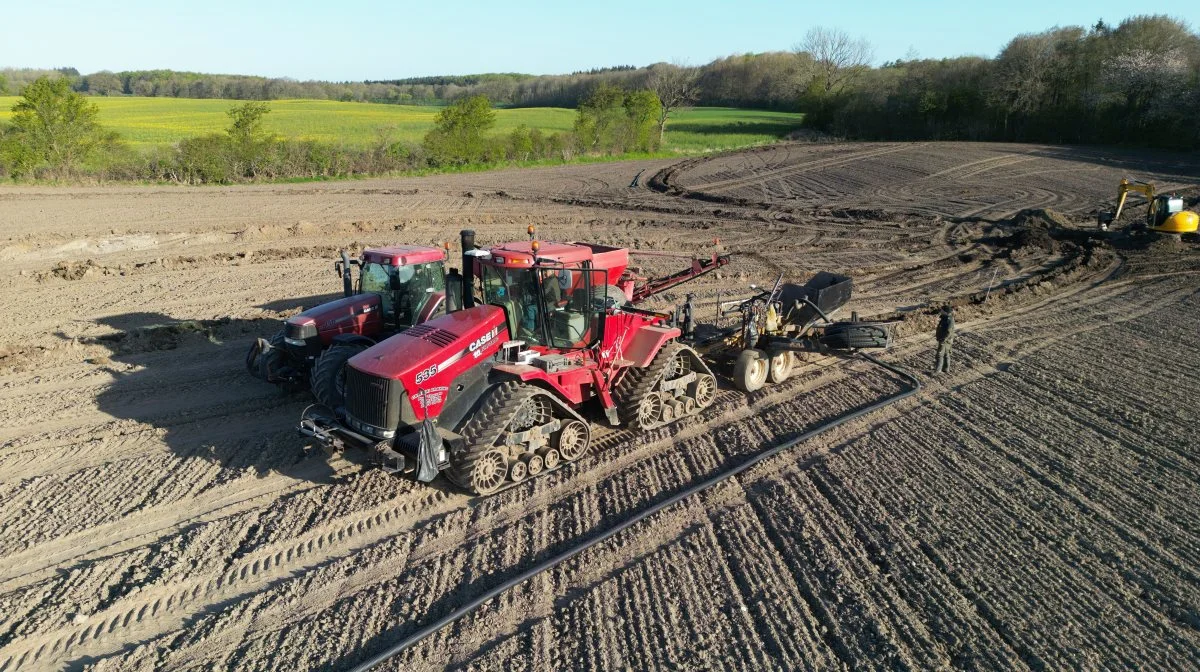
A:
(838, 58)
(677, 88)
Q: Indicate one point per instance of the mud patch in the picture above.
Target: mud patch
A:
(80, 270)
(172, 335)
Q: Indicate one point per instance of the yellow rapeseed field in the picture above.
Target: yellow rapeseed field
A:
(146, 122)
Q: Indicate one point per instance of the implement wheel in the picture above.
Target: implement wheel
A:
(781, 367)
(750, 371)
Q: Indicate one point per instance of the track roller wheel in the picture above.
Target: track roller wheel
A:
(550, 457)
(649, 412)
(668, 413)
(780, 367)
(490, 470)
(750, 370)
(534, 463)
(573, 440)
(704, 390)
(518, 471)
(689, 406)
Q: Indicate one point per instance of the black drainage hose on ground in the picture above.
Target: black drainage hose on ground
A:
(914, 387)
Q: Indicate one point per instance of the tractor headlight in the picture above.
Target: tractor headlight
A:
(297, 334)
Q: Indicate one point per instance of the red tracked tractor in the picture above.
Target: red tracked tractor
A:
(502, 391)
(495, 393)
(398, 287)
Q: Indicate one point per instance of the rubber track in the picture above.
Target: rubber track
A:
(485, 427)
(638, 383)
(458, 613)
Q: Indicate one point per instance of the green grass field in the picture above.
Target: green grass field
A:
(146, 122)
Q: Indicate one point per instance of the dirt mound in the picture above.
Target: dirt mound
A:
(75, 270)
(1034, 231)
(1041, 218)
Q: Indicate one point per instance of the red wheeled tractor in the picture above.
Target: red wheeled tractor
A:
(498, 392)
(398, 287)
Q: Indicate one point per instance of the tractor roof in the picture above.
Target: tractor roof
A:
(521, 254)
(404, 255)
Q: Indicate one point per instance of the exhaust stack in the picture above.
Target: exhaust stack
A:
(468, 267)
(347, 281)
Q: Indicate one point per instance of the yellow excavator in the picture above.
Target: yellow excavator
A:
(1164, 212)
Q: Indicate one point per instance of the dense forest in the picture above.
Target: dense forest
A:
(1136, 82)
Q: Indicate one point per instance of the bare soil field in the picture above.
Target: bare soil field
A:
(1035, 508)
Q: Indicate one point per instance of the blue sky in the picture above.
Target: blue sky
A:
(355, 39)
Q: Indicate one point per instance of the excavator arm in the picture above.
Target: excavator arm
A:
(1142, 188)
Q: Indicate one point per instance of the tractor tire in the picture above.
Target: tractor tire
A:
(856, 336)
(261, 361)
(485, 464)
(750, 371)
(780, 366)
(329, 374)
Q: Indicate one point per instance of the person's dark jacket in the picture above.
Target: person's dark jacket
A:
(945, 328)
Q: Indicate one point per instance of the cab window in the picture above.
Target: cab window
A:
(550, 306)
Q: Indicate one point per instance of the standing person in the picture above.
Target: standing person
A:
(945, 340)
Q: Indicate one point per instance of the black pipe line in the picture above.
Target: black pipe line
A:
(915, 386)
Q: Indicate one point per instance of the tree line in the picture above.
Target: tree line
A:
(1137, 82)
(755, 81)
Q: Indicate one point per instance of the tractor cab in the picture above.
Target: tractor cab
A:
(553, 294)
(409, 280)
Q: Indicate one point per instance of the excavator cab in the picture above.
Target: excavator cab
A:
(1167, 215)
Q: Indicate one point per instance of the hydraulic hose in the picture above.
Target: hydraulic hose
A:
(914, 385)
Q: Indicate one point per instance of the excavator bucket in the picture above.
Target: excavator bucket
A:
(824, 293)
